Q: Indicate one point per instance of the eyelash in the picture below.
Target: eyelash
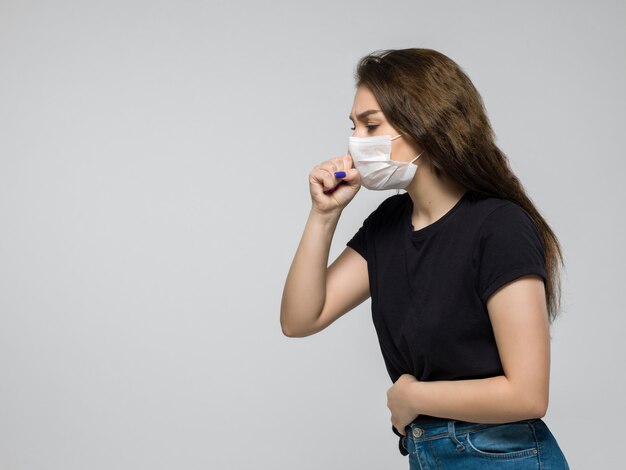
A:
(369, 127)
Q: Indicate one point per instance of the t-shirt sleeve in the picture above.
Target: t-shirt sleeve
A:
(359, 241)
(370, 230)
(510, 247)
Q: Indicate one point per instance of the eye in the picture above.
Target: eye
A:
(369, 127)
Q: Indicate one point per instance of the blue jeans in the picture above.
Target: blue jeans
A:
(526, 444)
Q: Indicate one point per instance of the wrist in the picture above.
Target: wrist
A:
(415, 397)
(327, 218)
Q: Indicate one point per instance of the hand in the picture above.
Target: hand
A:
(329, 193)
(400, 401)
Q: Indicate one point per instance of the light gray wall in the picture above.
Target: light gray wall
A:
(154, 158)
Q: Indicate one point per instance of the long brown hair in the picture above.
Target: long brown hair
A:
(425, 94)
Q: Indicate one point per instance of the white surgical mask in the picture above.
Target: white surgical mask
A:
(372, 158)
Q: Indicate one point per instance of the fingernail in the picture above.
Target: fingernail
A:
(340, 174)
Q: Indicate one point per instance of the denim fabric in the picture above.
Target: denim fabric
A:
(526, 444)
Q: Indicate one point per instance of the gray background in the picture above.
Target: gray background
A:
(154, 159)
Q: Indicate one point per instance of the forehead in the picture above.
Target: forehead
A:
(364, 100)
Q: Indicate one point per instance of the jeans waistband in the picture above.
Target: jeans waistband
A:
(420, 432)
(426, 431)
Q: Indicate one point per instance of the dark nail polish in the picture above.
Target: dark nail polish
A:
(340, 174)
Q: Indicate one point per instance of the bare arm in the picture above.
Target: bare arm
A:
(315, 295)
(519, 317)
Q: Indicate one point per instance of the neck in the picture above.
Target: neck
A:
(432, 196)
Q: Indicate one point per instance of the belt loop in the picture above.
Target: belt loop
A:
(452, 435)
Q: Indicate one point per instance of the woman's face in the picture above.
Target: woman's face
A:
(370, 121)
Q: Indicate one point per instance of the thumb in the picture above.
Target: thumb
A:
(352, 176)
(347, 161)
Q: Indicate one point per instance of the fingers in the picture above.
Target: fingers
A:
(333, 166)
(325, 172)
(352, 174)
(401, 431)
(327, 178)
(342, 168)
(334, 183)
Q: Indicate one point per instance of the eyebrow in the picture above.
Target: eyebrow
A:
(364, 114)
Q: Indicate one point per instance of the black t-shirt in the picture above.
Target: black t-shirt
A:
(429, 287)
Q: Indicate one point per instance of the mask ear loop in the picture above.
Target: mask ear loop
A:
(397, 190)
(417, 156)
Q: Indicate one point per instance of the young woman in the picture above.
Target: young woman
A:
(462, 270)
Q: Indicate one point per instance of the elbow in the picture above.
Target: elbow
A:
(291, 332)
(284, 325)
(541, 408)
(286, 329)
(527, 402)
(537, 407)
(302, 327)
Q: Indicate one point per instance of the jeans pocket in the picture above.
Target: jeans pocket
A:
(503, 441)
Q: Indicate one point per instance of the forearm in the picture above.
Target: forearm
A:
(305, 287)
(490, 400)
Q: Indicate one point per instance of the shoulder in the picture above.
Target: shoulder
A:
(505, 227)
(380, 220)
(496, 213)
(390, 208)
(392, 203)
(509, 246)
